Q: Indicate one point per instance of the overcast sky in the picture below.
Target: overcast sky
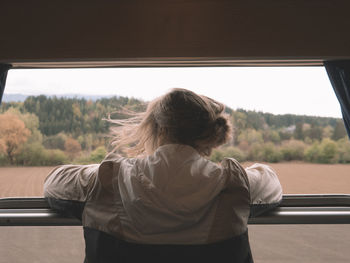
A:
(297, 90)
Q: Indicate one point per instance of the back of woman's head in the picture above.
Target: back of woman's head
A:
(180, 116)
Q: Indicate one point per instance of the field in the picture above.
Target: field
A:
(296, 178)
(274, 243)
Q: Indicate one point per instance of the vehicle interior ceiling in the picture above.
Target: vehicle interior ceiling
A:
(174, 33)
(195, 33)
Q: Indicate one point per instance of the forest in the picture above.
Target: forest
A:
(48, 130)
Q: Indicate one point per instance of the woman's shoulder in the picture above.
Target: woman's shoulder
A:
(235, 171)
(232, 164)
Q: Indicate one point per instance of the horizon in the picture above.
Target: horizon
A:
(95, 97)
(276, 90)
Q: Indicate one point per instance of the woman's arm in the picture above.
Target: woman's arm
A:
(67, 188)
(265, 188)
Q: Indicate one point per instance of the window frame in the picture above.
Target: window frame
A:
(294, 209)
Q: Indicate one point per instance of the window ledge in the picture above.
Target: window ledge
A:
(294, 209)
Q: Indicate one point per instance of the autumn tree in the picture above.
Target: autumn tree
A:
(2, 146)
(31, 121)
(251, 136)
(72, 147)
(13, 134)
(327, 131)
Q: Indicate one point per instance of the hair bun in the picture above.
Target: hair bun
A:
(221, 130)
(221, 121)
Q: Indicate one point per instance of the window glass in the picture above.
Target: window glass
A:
(286, 116)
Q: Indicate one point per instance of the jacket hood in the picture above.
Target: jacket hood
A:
(169, 190)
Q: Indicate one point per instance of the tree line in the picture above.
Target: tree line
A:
(50, 130)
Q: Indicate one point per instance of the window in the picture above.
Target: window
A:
(270, 108)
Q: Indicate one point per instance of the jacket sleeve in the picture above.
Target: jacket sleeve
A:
(67, 188)
(265, 188)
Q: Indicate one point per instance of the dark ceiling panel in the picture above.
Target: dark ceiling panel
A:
(106, 30)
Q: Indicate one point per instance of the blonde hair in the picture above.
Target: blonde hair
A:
(180, 116)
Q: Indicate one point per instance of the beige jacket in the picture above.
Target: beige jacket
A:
(174, 196)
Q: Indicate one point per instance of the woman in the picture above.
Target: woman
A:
(167, 203)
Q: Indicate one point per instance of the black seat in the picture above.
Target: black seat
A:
(104, 248)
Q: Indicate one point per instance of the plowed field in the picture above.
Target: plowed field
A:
(296, 178)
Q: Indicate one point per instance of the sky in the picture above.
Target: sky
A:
(278, 90)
